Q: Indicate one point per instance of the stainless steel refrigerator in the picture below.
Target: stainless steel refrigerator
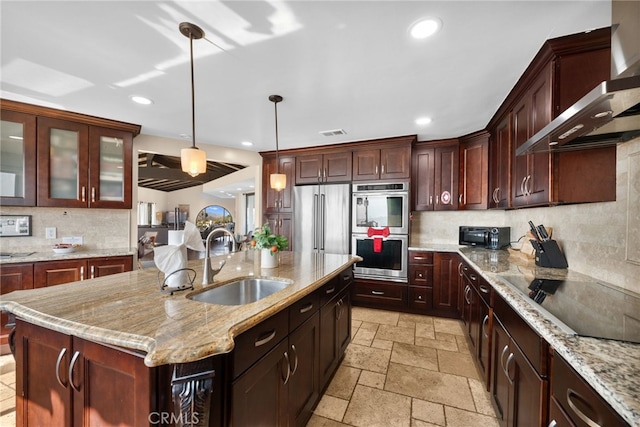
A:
(322, 218)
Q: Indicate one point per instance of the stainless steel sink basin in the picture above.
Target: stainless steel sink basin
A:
(240, 291)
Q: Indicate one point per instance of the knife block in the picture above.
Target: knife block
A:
(548, 254)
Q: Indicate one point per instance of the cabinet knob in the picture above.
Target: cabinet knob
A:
(420, 297)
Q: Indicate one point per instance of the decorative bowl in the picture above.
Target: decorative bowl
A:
(64, 249)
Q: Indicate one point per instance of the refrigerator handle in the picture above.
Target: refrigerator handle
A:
(322, 223)
(314, 223)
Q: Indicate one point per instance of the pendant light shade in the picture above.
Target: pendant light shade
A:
(192, 160)
(278, 181)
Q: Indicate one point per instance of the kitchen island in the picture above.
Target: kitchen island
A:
(169, 340)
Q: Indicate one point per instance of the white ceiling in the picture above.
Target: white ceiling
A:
(338, 64)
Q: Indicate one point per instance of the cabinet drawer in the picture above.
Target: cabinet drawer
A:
(303, 309)
(251, 345)
(420, 257)
(381, 293)
(557, 416)
(420, 275)
(333, 287)
(578, 400)
(420, 297)
(533, 346)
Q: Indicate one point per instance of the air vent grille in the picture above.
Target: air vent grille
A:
(333, 132)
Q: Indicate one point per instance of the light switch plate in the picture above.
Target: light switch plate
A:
(50, 233)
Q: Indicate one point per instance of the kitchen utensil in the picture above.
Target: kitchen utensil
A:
(543, 232)
(534, 231)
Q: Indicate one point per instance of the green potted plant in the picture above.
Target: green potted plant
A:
(269, 244)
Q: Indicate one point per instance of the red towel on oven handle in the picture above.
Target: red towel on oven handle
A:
(377, 241)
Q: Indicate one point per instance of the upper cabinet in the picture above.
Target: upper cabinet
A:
(564, 70)
(324, 167)
(278, 201)
(473, 190)
(18, 159)
(386, 159)
(435, 172)
(82, 161)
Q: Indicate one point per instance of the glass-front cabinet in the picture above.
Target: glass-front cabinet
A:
(110, 157)
(17, 159)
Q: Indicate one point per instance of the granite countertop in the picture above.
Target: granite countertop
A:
(49, 255)
(610, 367)
(130, 311)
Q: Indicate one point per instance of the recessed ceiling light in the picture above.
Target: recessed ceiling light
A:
(421, 121)
(424, 28)
(247, 143)
(141, 100)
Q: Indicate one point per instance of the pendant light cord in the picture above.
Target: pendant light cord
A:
(193, 95)
(275, 106)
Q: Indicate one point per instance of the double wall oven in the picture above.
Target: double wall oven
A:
(380, 230)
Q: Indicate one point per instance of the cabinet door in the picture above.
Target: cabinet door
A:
(501, 164)
(52, 273)
(445, 282)
(395, 163)
(446, 178)
(484, 340)
(18, 159)
(366, 165)
(13, 277)
(423, 179)
(520, 166)
(43, 393)
(309, 169)
(474, 174)
(110, 387)
(343, 325)
(328, 342)
(278, 201)
(63, 163)
(538, 184)
(110, 172)
(99, 267)
(337, 167)
(281, 224)
(528, 394)
(499, 381)
(304, 386)
(260, 395)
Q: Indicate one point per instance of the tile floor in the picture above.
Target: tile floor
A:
(400, 370)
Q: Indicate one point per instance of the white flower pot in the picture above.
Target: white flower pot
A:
(267, 260)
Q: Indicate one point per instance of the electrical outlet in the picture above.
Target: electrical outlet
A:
(74, 240)
(50, 232)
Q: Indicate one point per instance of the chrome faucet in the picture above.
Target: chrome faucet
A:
(209, 272)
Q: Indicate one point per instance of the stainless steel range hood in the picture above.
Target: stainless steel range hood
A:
(610, 113)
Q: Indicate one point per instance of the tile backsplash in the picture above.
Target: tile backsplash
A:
(99, 228)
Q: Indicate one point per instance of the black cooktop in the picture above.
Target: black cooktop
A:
(588, 308)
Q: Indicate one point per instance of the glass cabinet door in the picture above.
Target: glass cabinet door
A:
(110, 172)
(63, 167)
(17, 159)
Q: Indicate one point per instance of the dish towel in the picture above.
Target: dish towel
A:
(376, 233)
(171, 258)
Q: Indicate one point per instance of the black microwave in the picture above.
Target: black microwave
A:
(485, 237)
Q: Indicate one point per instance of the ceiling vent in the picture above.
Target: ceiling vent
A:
(334, 132)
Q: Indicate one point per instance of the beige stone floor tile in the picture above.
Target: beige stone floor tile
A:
(457, 364)
(460, 418)
(369, 326)
(437, 344)
(372, 379)
(413, 355)
(370, 407)
(396, 334)
(463, 344)
(406, 324)
(449, 326)
(354, 331)
(437, 387)
(375, 316)
(481, 397)
(7, 419)
(356, 323)
(415, 318)
(7, 396)
(364, 337)
(420, 423)
(343, 382)
(428, 411)
(370, 359)
(382, 344)
(331, 407)
(443, 336)
(425, 330)
(318, 421)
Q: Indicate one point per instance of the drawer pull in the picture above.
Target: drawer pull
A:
(288, 370)
(262, 341)
(419, 258)
(295, 359)
(484, 289)
(307, 308)
(72, 365)
(504, 351)
(58, 362)
(377, 293)
(330, 291)
(588, 421)
(467, 291)
(553, 423)
(485, 322)
(506, 372)
(473, 277)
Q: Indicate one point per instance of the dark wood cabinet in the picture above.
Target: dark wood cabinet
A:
(420, 292)
(324, 167)
(435, 173)
(281, 223)
(278, 201)
(380, 294)
(389, 163)
(64, 380)
(106, 266)
(18, 157)
(51, 273)
(13, 277)
(445, 284)
(474, 172)
(500, 164)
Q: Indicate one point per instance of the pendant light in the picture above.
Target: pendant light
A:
(192, 159)
(278, 180)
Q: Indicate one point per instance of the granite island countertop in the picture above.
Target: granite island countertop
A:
(49, 255)
(611, 367)
(129, 310)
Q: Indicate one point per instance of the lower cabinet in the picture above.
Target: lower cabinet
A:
(335, 329)
(65, 380)
(50, 273)
(13, 277)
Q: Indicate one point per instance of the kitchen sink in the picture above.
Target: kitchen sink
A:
(240, 291)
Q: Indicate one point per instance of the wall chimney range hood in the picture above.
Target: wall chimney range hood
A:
(610, 113)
